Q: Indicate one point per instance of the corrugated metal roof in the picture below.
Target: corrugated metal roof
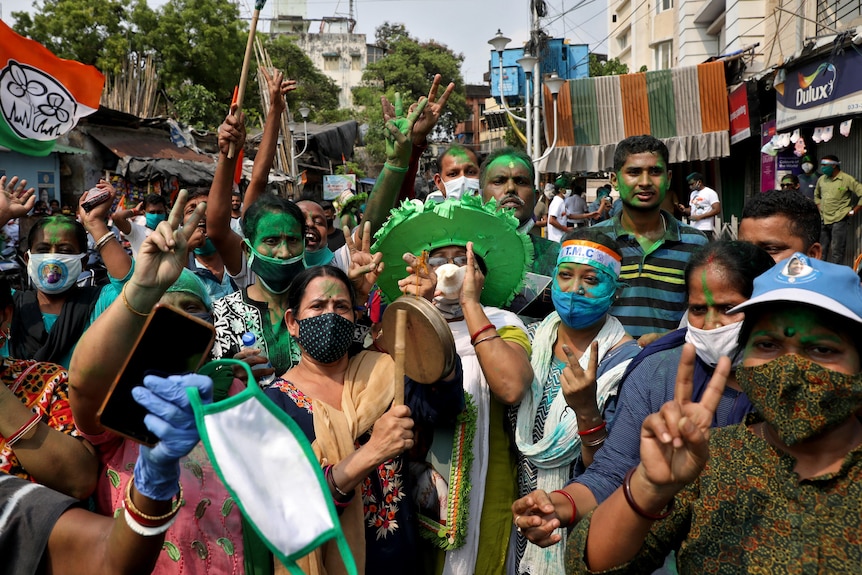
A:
(144, 143)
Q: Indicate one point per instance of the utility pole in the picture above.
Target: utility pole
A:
(537, 82)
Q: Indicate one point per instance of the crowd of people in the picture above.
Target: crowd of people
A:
(627, 392)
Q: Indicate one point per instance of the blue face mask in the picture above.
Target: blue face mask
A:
(578, 311)
(153, 220)
(207, 249)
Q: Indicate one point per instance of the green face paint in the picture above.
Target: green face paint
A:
(331, 289)
(509, 162)
(59, 232)
(710, 300)
(789, 331)
(462, 155)
(275, 229)
(640, 169)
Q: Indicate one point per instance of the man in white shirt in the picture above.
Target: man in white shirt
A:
(703, 205)
(557, 216)
(151, 211)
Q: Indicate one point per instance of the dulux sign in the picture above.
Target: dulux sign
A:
(820, 90)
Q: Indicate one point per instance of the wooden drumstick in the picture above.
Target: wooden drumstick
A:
(243, 77)
(400, 354)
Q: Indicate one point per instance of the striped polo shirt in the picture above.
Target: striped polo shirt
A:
(654, 296)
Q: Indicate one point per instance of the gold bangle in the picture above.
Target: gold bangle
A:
(128, 306)
(133, 509)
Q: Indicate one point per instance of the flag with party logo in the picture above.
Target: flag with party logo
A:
(42, 97)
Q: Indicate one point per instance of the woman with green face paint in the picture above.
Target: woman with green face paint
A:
(718, 278)
(779, 491)
(50, 317)
(579, 356)
(273, 248)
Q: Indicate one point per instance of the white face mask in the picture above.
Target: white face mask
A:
(711, 344)
(54, 273)
(807, 167)
(461, 186)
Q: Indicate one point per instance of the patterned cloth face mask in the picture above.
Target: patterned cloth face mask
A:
(799, 398)
(325, 337)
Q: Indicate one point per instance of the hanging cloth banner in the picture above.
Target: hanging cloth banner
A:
(250, 441)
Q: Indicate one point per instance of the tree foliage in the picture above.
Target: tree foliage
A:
(408, 68)
(95, 32)
(612, 67)
(198, 45)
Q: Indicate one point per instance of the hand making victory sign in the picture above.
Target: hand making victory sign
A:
(674, 441)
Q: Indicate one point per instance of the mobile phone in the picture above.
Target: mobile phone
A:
(153, 354)
(94, 197)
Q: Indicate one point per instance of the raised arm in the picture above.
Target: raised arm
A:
(16, 199)
(424, 125)
(121, 218)
(505, 364)
(674, 451)
(398, 147)
(160, 261)
(263, 161)
(88, 544)
(227, 242)
(117, 260)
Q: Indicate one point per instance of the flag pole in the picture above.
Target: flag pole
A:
(243, 78)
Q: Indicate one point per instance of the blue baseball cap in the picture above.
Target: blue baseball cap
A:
(809, 281)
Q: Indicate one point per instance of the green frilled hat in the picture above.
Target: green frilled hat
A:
(415, 228)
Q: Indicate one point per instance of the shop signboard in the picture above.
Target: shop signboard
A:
(335, 185)
(740, 120)
(820, 90)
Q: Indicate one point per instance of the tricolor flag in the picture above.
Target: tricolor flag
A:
(42, 96)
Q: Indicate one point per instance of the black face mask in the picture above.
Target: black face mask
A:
(326, 337)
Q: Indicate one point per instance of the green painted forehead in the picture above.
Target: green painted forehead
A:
(276, 223)
(59, 231)
(510, 161)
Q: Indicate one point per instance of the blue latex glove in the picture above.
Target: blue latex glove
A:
(172, 420)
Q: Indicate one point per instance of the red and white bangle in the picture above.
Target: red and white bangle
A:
(24, 429)
(150, 522)
(144, 531)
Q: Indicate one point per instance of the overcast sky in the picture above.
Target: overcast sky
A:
(465, 26)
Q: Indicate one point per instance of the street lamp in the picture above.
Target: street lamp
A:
(304, 112)
(554, 83)
(499, 42)
(528, 62)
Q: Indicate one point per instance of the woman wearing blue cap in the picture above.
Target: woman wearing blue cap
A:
(778, 493)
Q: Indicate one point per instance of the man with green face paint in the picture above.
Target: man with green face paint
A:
(836, 195)
(656, 247)
(507, 176)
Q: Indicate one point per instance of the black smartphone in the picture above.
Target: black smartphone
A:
(171, 343)
(94, 197)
